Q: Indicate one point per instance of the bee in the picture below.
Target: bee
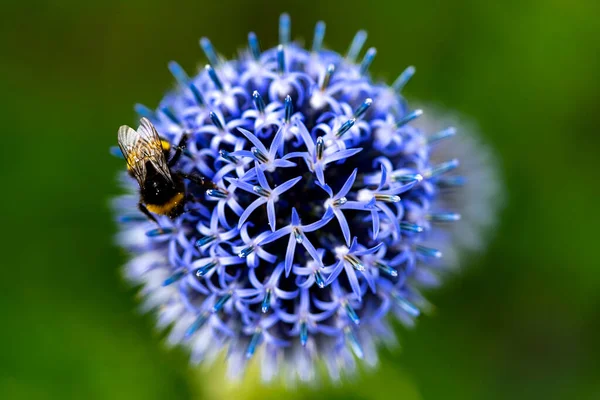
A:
(162, 191)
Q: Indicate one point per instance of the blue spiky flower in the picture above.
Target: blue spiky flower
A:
(329, 214)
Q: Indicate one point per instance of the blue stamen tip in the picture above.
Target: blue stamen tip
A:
(203, 270)
(221, 302)
(355, 262)
(178, 73)
(320, 147)
(225, 155)
(406, 305)
(116, 152)
(403, 79)
(319, 279)
(354, 343)
(259, 190)
(428, 251)
(387, 269)
(303, 333)
(441, 135)
(345, 127)
(209, 51)
(351, 313)
(339, 202)
(444, 217)
(253, 343)
(409, 117)
(327, 77)
(217, 193)
(266, 303)
(144, 111)
(451, 181)
(414, 228)
(259, 155)
(216, 120)
(169, 114)
(246, 252)
(197, 94)
(356, 45)
(284, 28)
(441, 169)
(367, 60)
(254, 45)
(298, 235)
(407, 178)
(289, 108)
(214, 77)
(205, 240)
(159, 232)
(387, 198)
(131, 218)
(318, 37)
(197, 324)
(280, 60)
(363, 108)
(258, 101)
(174, 278)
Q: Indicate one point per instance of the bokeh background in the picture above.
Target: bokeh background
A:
(522, 321)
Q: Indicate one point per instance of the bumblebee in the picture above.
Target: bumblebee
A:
(162, 191)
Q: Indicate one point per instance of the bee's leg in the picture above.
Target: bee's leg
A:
(179, 150)
(148, 214)
(176, 156)
(199, 180)
(183, 141)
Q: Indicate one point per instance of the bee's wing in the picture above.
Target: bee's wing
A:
(153, 145)
(139, 147)
(128, 140)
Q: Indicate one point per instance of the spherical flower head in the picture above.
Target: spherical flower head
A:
(327, 213)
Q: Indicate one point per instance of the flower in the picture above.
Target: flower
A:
(331, 209)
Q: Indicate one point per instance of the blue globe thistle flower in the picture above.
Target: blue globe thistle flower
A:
(329, 211)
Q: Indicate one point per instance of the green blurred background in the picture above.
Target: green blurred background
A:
(521, 322)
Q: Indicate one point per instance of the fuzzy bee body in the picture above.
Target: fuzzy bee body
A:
(162, 196)
(162, 191)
